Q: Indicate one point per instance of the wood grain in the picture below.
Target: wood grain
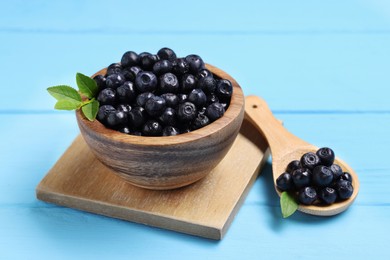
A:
(205, 208)
(170, 161)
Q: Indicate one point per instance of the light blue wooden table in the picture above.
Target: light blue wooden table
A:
(323, 67)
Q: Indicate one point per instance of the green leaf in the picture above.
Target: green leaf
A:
(63, 92)
(67, 105)
(288, 204)
(87, 86)
(90, 109)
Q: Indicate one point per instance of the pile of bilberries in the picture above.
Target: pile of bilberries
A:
(315, 179)
(160, 94)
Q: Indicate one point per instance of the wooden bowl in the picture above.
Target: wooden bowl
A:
(171, 161)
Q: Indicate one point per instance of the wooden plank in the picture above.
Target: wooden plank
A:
(206, 208)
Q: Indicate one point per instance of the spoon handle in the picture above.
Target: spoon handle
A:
(279, 139)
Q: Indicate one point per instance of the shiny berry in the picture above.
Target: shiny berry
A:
(180, 66)
(166, 54)
(301, 177)
(224, 90)
(346, 176)
(188, 83)
(215, 111)
(293, 165)
(204, 73)
(307, 195)
(124, 129)
(212, 98)
(137, 117)
(200, 121)
(186, 112)
(131, 72)
(130, 59)
(146, 81)
(103, 112)
(336, 170)
(142, 98)
(148, 60)
(169, 83)
(116, 118)
(326, 156)
(198, 97)
(328, 195)
(182, 98)
(152, 128)
(114, 68)
(310, 160)
(126, 93)
(124, 108)
(155, 106)
(207, 84)
(344, 189)
(171, 100)
(322, 176)
(170, 131)
(195, 63)
(115, 80)
(168, 117)
(162, 66)
(100, 82)
(107, 96)
(285, 182)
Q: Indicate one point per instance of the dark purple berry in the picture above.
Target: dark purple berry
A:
(168, 117)
(346, 176)
(137, 117)
(322, 176)
(152, 128)
(148, 60)
(131, 72)
(114, 68)
(155, 106)
(207, 84)
(188, 83)
(198, 97)
(285, 182)
(301, 177)
(126, 93)
(180, 66)
(336, 170)
(182, 98)
(212, 98)
(224, 90)
(204, 73)
(326, 156)
(200, 121)
(100, 82)
(215, 111)
(186, 112)
(328, 195)
(161, 67)
(307, 195)
(116, 118)
(310, 160)
(344, 189)
(103, 112)
(142, 98)
(171, 100)
(169, 83)
(293, 165)
(195, 63)
(130, 59)
(115, 80)
(107, 96)
(170, 131)
(146, 81)
(124, 108)
(124, 129)
(166, 54)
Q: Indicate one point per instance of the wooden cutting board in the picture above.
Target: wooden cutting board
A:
(206, 208)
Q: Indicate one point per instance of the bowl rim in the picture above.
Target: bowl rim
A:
(236, 107)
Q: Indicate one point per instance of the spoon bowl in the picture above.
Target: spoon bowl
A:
(286, 147)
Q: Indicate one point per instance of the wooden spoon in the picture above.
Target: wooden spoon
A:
(286, 147)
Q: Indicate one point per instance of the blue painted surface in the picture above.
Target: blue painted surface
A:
(323, 67)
